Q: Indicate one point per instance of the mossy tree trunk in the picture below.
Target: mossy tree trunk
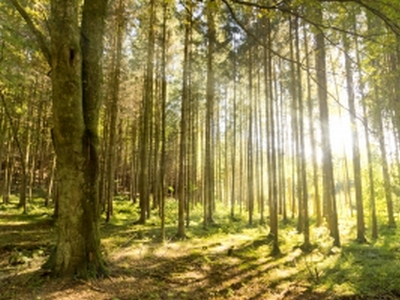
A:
(74, 55)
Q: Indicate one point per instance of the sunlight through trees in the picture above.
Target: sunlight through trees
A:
(276, 110)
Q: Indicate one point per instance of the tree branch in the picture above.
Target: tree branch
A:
(243, 27)
(38, 34)
(369, 5)
(288, 10)
(276, 53)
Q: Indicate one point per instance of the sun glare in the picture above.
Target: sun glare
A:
(341, 139)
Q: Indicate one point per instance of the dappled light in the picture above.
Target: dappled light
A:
(216, 149)
(212, 264)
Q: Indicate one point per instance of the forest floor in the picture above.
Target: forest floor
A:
(230, 260)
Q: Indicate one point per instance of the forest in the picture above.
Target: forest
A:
(207, 149)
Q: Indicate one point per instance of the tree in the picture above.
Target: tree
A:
(182, 185)
(272, 157)
(327, 167)
(163, 118)
(145, 139)
(74, 56)
(355, 149)
(310, 107)
(118, 32)
(250, 144)
(302, 154)
(209, 139)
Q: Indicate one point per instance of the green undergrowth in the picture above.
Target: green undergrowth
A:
(367, 270)
(234, 254)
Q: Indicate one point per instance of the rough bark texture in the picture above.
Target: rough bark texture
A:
(93, 24)
(76, 73)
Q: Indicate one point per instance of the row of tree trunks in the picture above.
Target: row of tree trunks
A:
(235, 175)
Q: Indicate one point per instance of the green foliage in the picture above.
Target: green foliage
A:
(228, 251)
(365, 269)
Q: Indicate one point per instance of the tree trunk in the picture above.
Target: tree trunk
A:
(385, 170)
(303, 163)
(145, 143)
(209, 147)
(76, 74)
(310, 106)
(355, 149)
(114, 95)
(50, 182)
(327, 167)
(234, 133)
(163, 118)
(295, 129)
(250, 156)
(272, 161)
(182, 188)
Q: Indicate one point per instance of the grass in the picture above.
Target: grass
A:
(228, 260)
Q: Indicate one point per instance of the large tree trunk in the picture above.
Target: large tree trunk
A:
(76, 74)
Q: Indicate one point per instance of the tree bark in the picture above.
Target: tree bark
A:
(76, 75)
(250, 146)
(355, 149)
(209, 147)
(310, 107)
(182, 188)
(113, 108)
(327, 167)
(145, 143)
(272, 158)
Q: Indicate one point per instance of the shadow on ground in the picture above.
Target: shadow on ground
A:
(219, 269)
